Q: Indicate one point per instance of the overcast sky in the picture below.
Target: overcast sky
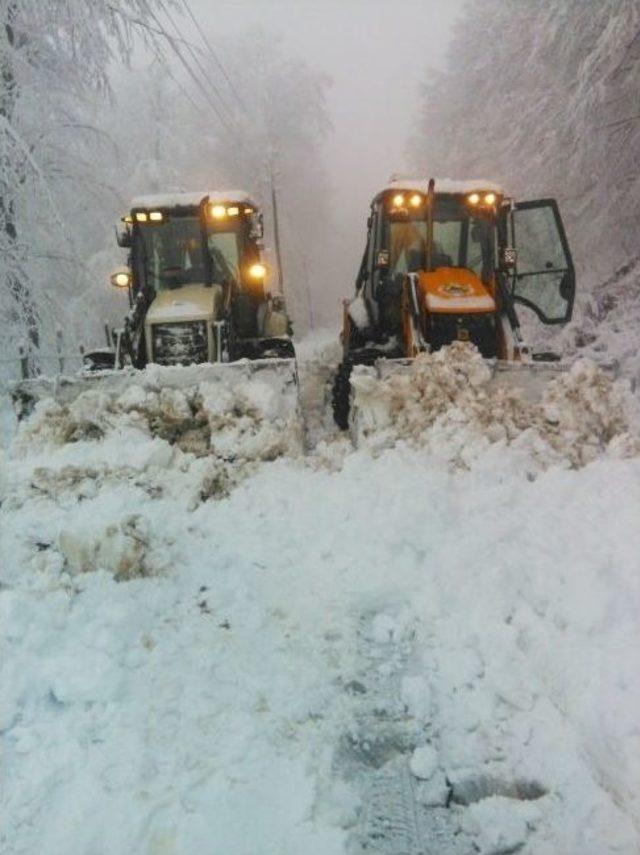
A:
(377, 53)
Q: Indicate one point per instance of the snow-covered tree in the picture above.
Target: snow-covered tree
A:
(55, 56)
(544, 96)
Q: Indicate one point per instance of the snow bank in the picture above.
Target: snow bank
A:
(230, 415)
(450, 403)
(608, 328)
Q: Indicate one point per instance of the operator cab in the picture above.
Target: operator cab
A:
(194, 239)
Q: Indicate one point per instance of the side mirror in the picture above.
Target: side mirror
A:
(256, 230)
(509, 257)
(121, 278)
(123, 237)
(567, 287)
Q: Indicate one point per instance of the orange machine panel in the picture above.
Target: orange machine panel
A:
(455, 291)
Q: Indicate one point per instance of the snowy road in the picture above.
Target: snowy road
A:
(337, 654)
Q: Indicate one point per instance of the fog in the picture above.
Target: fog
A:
(376, 55)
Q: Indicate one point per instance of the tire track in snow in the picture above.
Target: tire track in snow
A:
(374, 755)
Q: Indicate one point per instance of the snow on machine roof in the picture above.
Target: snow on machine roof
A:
(191, 199)
(420, 184)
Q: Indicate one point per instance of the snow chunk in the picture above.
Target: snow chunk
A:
(416, 696)
(499, 825)
(358, 312)
(87, 676)
(424, 762)
(434, 792)
(122, 549)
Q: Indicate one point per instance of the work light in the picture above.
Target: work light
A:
(257, 271)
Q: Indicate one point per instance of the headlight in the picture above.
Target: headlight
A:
(257, 271)
(120, 279)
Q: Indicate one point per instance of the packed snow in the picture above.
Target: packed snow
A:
(190, 199)
(452, 402)
(426, 644)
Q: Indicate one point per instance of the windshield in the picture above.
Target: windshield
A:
(459, 240)
(172, 253)
(225, 256)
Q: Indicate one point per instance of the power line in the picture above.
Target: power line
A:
(174, 47)
(203, 69)
(212, 52)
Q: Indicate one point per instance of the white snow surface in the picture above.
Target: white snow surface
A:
(208, 655)
(420, 184)
(188, 198)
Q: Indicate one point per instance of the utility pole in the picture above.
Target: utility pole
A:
(276, 231)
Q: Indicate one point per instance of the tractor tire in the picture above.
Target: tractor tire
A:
(341, 393)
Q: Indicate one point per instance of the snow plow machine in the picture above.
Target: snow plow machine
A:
(199, 310)
(448, 261)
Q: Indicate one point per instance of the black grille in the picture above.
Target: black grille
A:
(180, 344)
(442, 329)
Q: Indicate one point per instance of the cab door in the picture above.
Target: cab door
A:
(544, 277)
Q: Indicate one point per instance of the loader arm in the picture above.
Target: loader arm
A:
(133, 332)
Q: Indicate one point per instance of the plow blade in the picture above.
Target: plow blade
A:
(530, 378)
(384, 393)
(245, 409)
(65, 389)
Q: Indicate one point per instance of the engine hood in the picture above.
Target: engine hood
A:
(188, 303)
(455, 290)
